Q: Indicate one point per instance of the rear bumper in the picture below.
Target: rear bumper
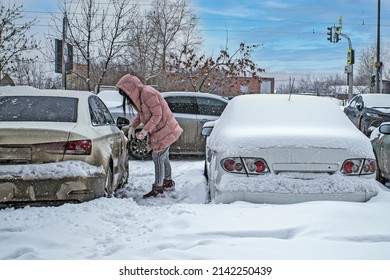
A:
(275, 189)
(34, 187)
(290, 198)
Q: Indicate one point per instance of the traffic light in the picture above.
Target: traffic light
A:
(373, 81)
(330, 34)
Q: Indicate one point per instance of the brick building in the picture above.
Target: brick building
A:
(248, 85)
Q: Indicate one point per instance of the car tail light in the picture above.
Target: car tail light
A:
(81, 147)
(228, 164)
(245, 165)
(359, 167)
(260, 166)
(369, 167)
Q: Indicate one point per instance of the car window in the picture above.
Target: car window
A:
(182, 104)
(99, 112)
(38, 108)
(210, 106)
(352, 103)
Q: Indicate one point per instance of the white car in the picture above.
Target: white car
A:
(58, 146)
(280, 149)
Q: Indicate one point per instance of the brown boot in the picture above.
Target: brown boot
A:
(156, 191)
(169, 185)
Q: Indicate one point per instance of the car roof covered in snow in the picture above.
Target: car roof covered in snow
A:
(281, 120)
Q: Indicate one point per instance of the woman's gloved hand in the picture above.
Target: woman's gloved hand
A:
(141, 135)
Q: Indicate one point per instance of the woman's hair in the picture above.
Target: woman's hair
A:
(126, 99)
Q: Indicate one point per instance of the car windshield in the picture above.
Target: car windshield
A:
(38, 108)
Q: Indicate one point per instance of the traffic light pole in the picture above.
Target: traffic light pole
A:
(349, 67)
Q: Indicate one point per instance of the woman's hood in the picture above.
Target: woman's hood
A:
(132, 86)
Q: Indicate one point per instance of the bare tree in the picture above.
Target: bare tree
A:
(14, 41)
(165, 29)
(366, 65)
(208, 73)
(97, 32)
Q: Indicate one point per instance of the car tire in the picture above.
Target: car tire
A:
(108, 183)
(138, 149)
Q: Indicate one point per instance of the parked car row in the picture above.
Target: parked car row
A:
(65, 146)
(58, 146)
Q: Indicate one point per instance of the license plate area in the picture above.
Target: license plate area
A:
(15, 155)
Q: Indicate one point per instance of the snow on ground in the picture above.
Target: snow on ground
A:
(183, 226)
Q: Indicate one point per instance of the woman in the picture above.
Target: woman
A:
(160, 128)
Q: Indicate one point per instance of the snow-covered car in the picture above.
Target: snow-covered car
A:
(271, 148)
(191, 110)
(58, 146)
(368, 110)
(380, 140)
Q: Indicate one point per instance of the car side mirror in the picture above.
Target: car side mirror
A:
(207, 128)
(121, 122)
(385, 128)
(206, 131)
(359, 106)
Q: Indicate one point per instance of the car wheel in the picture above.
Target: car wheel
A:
(138, 149)
(108, 183)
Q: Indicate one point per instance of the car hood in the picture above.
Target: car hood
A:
(379, 110)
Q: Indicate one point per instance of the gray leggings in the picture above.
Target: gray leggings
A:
(162, 167)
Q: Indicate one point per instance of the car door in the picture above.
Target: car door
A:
(352, 110)
(111, 140)
(209, 109)
(185, 110)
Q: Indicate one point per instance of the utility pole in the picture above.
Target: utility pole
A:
(378, 64)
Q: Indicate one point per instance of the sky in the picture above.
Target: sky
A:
(292, 35)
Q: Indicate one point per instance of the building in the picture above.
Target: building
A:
(248, 85)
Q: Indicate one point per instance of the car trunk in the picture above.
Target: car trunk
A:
(304, 160)
(33, 144)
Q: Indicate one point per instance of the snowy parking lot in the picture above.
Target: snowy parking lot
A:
(183, 225)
